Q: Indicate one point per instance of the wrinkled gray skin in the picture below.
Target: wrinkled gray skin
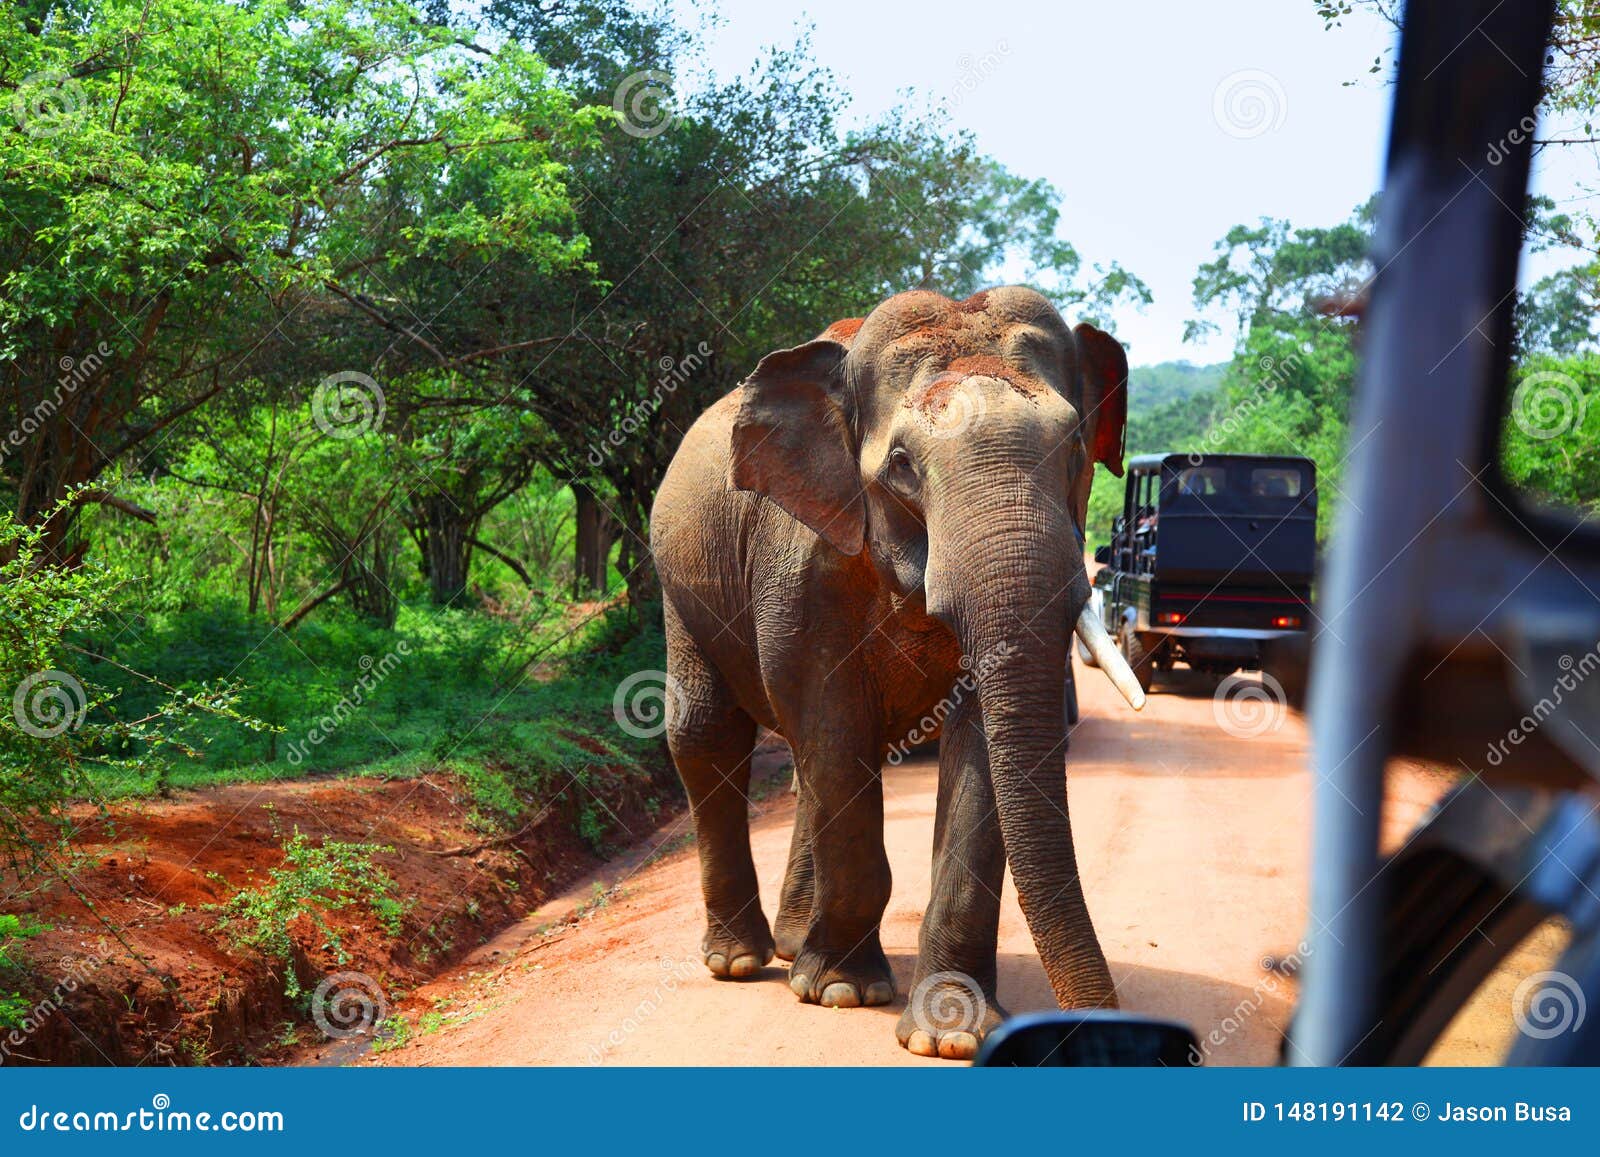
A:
(866, 518)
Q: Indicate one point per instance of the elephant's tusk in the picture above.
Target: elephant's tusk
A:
(1095, 636)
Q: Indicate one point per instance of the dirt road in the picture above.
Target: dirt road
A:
(1194, 847)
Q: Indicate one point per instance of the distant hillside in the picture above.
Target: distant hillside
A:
(1171, 405)
(1151, 387)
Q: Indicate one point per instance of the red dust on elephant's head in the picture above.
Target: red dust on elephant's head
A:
(932, 398)
(843, 331)
(989, 366)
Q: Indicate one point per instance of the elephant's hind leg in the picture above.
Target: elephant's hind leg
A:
(711, 740)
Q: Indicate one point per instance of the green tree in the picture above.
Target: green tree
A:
(186, 176)
(731, 221)
(1557, 314)
(1270, 270)
(1547, 446)
(465, 465)
(1288, 388)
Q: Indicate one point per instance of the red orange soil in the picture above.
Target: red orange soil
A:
(1194, 845)
(174, 989)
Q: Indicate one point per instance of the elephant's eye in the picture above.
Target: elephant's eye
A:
(900, 468)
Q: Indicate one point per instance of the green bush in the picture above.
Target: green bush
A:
(313, 881)
(444, 686)
(14, 930)
(1551, 429)
(69, 734)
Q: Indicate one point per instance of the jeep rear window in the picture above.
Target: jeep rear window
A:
(1202, 480)
(1274, 482)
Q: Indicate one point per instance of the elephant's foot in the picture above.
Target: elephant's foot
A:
(854, 980)
(947, 1015)
(737, 953)
(789, 933)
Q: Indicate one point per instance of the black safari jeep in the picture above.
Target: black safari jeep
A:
(1210, 564)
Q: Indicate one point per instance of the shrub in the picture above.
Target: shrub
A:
(65, 736)
(312, 882)
(14, 1007)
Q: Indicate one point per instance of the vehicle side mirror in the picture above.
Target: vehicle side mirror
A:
(1089, 1038)
(1102, 555)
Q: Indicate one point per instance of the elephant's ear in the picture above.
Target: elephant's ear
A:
(1103, 365)
(791, 443)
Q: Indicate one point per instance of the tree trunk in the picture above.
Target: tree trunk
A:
(592, 548)
(447, 547)
(634, 560)
(371, 589)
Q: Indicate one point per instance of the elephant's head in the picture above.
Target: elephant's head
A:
(954, 444)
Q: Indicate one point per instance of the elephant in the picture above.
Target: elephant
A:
(877, 529)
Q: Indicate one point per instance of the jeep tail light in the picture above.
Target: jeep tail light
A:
(1172, 618)
(1287, 621)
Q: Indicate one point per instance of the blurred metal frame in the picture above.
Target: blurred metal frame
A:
(1447, 608)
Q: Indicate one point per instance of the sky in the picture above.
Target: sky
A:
(1162, 123)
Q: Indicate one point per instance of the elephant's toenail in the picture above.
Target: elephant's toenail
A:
(841, 994)
(921, 1043)
(800, 985)
(958, 1046)
(745, 965)
(880, 992)
(718, 963)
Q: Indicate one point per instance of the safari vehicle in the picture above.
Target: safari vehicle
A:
(1488, 603)
(1210, 564)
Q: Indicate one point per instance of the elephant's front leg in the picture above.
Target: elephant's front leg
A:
(799, 885)
(841, 962)
(952, 1005)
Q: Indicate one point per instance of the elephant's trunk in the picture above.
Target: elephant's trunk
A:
(1014, 598)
